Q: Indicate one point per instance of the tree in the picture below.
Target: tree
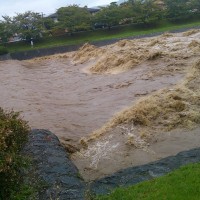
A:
(110, 15)
(145, 12)
(195, 7)
(48, 23)
(74, 18)
(177, 9)
(29, 25)
(151, 12)
(7, 28)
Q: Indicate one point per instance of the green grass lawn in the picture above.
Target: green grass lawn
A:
(98, 35)
(182, 184)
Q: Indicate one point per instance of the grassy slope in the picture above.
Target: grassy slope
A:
(182, 184)
(118, 32)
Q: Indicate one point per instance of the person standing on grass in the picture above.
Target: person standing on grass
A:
(31, 42)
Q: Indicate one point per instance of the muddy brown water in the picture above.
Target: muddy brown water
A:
(61, 94)
(56, 95)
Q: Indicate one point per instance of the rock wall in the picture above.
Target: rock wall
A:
(43, 52)
(51, 164)
(5, 57)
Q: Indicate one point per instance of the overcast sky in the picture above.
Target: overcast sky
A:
(10, 7)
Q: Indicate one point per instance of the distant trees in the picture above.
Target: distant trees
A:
(48, 23)
(29, 25)
(145, 12)
(74, 18)
(181, 9)
(195, 6)
(6, 28)
(177, 9)
(109, 16)
(26, 26)
(132, 11)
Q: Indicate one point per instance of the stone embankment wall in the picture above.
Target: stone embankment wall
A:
(51, 164)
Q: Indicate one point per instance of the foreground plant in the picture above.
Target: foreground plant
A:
(13, 135)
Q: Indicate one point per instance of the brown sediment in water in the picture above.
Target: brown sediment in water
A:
(74, 94)
(136, 130)
(127, 54)
(145, 132)
(85, 53)
(191, 32)
(166, 109)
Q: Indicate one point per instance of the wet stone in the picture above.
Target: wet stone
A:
(53, 166)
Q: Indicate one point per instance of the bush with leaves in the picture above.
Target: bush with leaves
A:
(13, 135)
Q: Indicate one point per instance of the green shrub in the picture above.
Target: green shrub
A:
(3, 50)
(13, 135)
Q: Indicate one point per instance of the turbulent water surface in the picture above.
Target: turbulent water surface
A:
(56, 95)
(76, 93)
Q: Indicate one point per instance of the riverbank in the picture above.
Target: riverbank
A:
(98, 37)
(62, 180)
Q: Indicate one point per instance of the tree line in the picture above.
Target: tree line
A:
(74, 18)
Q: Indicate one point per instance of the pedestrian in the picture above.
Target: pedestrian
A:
(31, 43)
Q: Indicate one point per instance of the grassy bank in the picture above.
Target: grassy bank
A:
(182, 184)
(98, 35)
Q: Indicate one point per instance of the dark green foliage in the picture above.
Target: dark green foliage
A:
(109, 16)
(48, 23)
(13, 135)
(74, 18)
(145, 12)
(6, 29)
(181, 10)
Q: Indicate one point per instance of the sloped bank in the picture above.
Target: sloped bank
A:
(25, 55)
(53, 165)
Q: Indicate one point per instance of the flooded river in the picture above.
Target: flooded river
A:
(57, 95)
(76, 93)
